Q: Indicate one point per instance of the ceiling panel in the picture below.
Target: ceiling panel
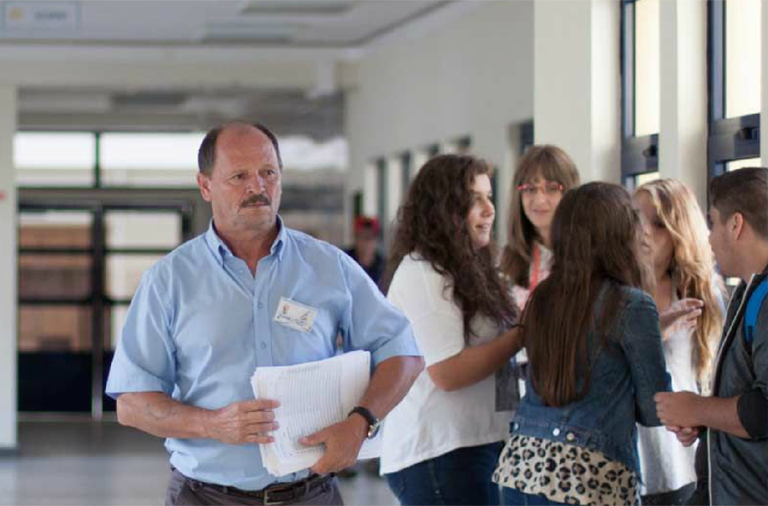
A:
(285, 22)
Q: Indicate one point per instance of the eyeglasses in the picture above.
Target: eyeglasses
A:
(549, 189)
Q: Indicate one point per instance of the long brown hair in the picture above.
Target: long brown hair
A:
(693, 264)
(433, 223)
(553, 164)
(595, 237)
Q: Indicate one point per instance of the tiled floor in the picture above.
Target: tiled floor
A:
(80, 463)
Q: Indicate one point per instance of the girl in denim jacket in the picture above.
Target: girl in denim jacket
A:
(594, 345)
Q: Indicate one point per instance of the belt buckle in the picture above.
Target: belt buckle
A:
(267, 501)
(296, 495)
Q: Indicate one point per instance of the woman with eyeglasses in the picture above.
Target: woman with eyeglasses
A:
(543, 175)
(441, 443)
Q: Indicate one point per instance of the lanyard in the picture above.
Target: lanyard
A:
(536, 268)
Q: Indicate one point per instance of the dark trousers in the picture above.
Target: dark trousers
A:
(460, 477)
(183, 491)
(513, 497)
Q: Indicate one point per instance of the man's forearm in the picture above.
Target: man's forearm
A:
(721, 414)
(391, 381)
(161, 416)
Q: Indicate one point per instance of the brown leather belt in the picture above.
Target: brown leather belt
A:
(276, 493)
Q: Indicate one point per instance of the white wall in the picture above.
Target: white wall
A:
(577, 101)
(8, 439)
(472, 76)
(764, 79)
(683, 96)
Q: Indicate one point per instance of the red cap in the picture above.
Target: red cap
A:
(366, 223)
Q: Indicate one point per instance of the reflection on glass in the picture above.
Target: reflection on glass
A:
(54, 276)
(137, 229)
(647, 67)
(743, 43)
(740, 164)
(55, 229)
(54, 328)
(641, 179)
(124, 273)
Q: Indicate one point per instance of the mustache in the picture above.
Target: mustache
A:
(261, 198)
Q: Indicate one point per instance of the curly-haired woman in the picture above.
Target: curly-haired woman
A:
(689, 296)
(441, 443)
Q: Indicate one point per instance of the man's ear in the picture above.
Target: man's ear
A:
(204, 183)
(736, 225)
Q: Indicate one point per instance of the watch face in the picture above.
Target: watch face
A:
(373, 430)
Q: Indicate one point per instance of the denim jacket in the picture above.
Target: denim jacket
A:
(626, 374)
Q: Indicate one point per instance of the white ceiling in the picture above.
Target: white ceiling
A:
(291, 23)
(190, 64)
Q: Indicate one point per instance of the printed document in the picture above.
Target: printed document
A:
(312, 396)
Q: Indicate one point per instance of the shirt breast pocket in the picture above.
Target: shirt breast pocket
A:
(317, 341)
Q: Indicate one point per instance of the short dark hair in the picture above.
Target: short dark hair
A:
(743, 191)
(206, 155)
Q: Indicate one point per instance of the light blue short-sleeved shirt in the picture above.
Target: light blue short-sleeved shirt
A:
(200, 324)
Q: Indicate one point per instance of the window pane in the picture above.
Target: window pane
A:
(54, 328)
(641, 179)
(647, 67)
(66, 277)
(54, 158)
(124, 273)
(743, 43)
(115, 327)
(136, 229)
(149, 159)
(55, 229)
(740, 164)
(54, 150)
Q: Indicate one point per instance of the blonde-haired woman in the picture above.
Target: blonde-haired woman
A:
(543, 175)
(689, 297)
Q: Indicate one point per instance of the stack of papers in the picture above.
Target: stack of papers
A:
(312, 396)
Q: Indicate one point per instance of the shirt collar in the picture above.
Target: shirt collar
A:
(221, 250)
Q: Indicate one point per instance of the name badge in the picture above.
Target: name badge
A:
(295, 315)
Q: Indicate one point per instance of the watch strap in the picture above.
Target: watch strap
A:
(373, 422)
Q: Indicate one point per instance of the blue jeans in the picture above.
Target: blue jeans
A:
(461, 477)
(513, 497)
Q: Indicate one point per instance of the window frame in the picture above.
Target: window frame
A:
(729, 139)
(639, 154)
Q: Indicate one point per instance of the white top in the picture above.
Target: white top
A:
(666, 464)
(429, 422)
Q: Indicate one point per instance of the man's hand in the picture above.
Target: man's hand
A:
(686, 435)
(678, 409)
(679, 315)
(243, 422)
(342, 444)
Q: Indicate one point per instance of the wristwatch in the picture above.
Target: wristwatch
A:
(373, 422)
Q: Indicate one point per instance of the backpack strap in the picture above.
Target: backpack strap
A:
(753, 309)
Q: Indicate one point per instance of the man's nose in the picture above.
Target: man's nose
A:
(254, 184)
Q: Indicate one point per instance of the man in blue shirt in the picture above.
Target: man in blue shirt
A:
(206, 316)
